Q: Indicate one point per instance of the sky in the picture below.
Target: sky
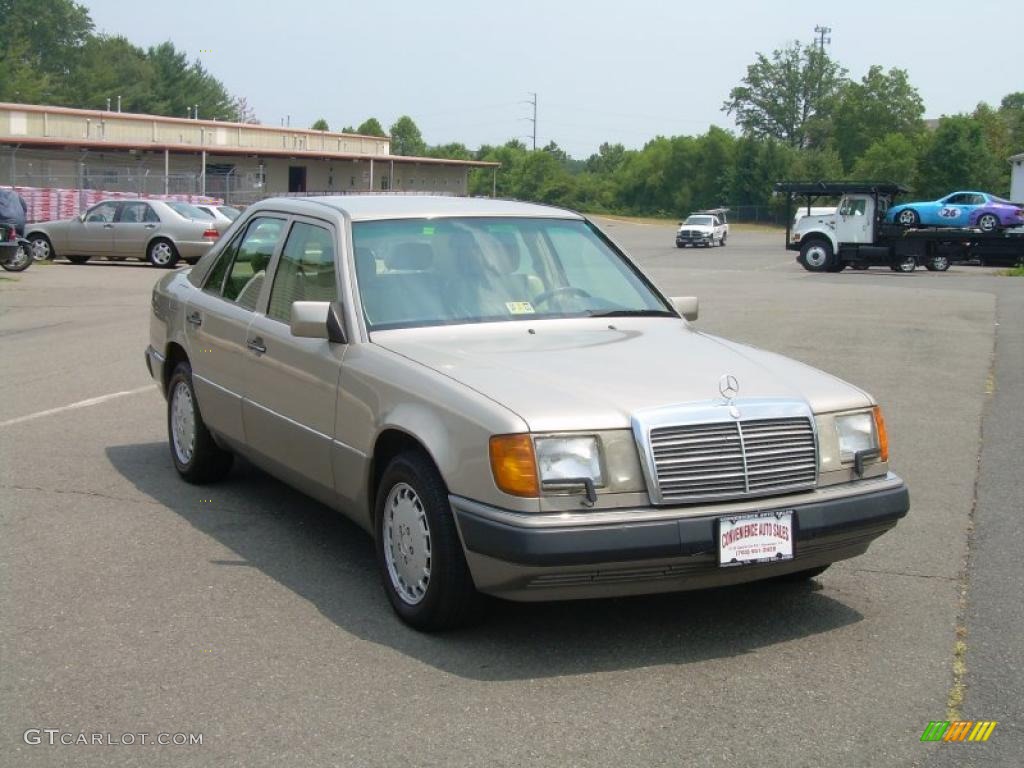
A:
(617, 72)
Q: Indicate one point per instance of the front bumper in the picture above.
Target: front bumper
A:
(512, 556)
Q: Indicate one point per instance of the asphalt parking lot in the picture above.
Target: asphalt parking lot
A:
(132, 602)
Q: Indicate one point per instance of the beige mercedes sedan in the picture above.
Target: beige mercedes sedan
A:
(159, 231)
(509, 406)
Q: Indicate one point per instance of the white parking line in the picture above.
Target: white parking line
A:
(73, 406)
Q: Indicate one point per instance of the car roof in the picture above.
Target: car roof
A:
(369, 207)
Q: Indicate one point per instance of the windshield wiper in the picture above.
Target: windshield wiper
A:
(633, 313)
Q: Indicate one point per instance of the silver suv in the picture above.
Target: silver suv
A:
(509, 406)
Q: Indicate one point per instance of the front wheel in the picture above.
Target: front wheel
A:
(162, 253)
(419, 553)
(816, 255)
(908, 217)
(724, 236)
(196, 456)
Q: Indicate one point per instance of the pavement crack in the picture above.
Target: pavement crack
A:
(907, 573)
(72, 492)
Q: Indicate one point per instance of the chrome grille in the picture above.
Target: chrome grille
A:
(722, 460)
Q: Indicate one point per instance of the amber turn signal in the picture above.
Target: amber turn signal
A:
(883, 437)
(514, 465)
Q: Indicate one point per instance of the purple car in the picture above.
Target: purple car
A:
(960, 209)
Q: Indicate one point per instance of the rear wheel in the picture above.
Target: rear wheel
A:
(937, 264)
(816, 255)
(162, 253)
(988, 222)
(78, 259)
(906, 264)
(18, 261)
(42, 250)
(419, 552)
(196, 456)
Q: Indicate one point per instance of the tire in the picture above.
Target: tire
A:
(196, 456)
(42, 248)
(162, 253)
(859, 265)
(937, 264)
(836, 266)
(908, 217)
(724, 236)
(799, 576)
(78, 259)
(18, 261)
(419, 552)
(905, 265)
(816, 255)
(988, 222)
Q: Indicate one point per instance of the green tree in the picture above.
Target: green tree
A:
(320, 125)
(892, 158)
(178, 85)
(1012, 110)
(882, 103)
(406, 138)
(608, 159)
(370, 127)
(786, 96)
(42, 37)
(109, 67)
(957, 157)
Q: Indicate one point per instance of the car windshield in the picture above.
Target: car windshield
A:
(421, 272)
(189, 211)
(701, 221)
(231, 213)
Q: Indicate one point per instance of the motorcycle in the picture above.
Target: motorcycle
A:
(15, 251)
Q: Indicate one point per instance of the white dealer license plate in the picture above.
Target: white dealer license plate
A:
(764, 537)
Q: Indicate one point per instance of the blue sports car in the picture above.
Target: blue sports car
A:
(960, 209)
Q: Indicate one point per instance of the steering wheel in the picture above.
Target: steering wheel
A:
(562, 289)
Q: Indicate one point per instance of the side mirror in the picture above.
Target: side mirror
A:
(687, 306)
(318, 320)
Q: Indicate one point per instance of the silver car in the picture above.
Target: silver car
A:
(161, 232)
(509, 406)
(223, 215)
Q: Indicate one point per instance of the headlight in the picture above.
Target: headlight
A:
(569, 458)
(862, 431)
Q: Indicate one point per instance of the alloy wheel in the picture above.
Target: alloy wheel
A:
(407, 549)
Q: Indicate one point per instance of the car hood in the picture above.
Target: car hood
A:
(697, 227)
(585, 374)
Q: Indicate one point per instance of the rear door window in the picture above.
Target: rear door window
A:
(241, 268)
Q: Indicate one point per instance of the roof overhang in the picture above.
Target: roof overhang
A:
(103, 144)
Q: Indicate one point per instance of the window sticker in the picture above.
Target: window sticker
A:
(519, 307)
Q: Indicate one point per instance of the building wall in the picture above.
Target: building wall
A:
(250, 177)
(1017, 180)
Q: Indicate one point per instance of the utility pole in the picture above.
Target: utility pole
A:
(820, 33)
(533, 119)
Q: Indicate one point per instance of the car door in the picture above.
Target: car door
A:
(289, 411)
(135, 225)
(955, 210)
(217, 321)
(94, 233)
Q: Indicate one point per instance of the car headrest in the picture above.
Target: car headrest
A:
(411, 257)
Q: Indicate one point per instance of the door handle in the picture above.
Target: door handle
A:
(256, 345)
(149, 226)
(194, 318)
(108, 226)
